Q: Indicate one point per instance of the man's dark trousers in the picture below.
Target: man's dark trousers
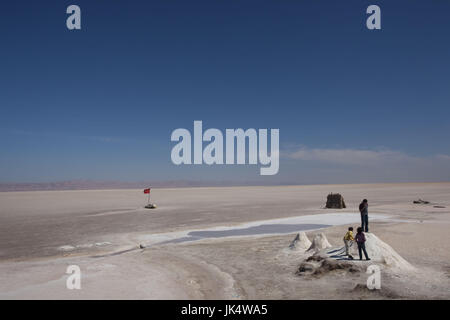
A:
(365, 222)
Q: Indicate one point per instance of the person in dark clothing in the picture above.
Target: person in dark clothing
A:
(361, 241)
(364, 210)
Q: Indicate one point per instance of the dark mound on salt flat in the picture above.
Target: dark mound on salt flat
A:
(335, 201)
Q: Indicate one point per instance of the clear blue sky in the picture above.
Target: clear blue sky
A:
(352, 105)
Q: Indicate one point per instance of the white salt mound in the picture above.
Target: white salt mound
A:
(66, 248)
(380, 251)
(320, 242)
(301, 242)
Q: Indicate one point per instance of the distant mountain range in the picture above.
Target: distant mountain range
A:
(103, 185)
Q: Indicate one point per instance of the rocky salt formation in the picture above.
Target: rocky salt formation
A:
(318, 265)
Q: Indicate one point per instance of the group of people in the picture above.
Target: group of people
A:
(360, 238)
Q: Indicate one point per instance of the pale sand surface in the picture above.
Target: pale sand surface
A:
(41, 233)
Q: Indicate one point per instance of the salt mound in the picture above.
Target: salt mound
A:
(320, 242)
(301, 242)
(380, 251)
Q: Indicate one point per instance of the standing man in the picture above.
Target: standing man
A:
(364, 210)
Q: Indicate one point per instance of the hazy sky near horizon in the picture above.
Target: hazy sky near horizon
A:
(352, 105)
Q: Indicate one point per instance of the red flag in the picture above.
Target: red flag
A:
(147, 190)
